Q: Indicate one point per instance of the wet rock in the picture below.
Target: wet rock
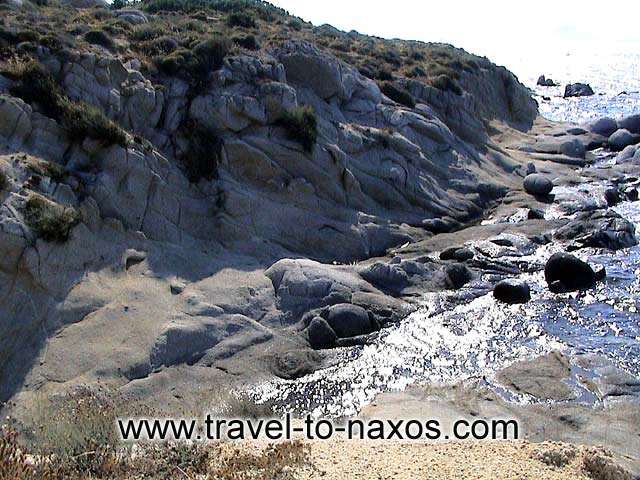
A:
(599, 229)
(460, 254)
(631, 123)
(535, 214)
(537, 184)
(620, 139)
(512, 291)
(321, 335)
(578, 90)
(567, 273)
(348, 320)
(541, 377)
(612, 196)
(457, 276)
(604, 126)
(631, 194)
(545, 82)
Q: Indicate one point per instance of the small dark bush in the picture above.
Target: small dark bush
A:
(443, 82)
(147, 32)
(4, 181)
(83, 120)
(211, 52)
(247, 41)
(295, 24)
(50, 221)
(203, 152)
(28, 36)
(242, 19)
(301, 125)
(158, 46)
(99, 37)
(37, 86)
(398, 94)
(118, 4)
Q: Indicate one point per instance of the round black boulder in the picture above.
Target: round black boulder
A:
(349, 320)
(537, 184)
(567, 273)
(512, 291)
(321, 335)
(612, 196)
(457, 276)
(460, 254)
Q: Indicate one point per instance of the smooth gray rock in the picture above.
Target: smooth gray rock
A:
(626, 154)
(385, 276)
(604, 126)
(349, 320)
(578, 90)
(631, 123)
(131, 15)
(512, 291)
(620, 139)
(537, 184)
(567, 273)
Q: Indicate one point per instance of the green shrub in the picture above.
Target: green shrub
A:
(158, 46)
(211, 52)
(83, 120)
(295, 24)
(50, 221)
(241, 19)
(37, 86)
(247, 41)
(99, 37)
(301, 125)
(203, 152)
(147, 32)
(445, 83)
(398, 94)
(118, 4)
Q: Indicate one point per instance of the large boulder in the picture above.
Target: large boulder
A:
(457, 276)
(578, 90)
(631, 123)
(537, 184)
(321, 335)
(349, 320)
(612, 196)
(304, 65)
(567, 273)
(599, 229)
(620, 139)
(604, 126)
(512, 291)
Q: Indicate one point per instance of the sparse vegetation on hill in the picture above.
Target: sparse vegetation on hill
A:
(301, 126)
(37, 87)
(50, 221)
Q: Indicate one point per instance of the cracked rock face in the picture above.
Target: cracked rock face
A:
(160, 272)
